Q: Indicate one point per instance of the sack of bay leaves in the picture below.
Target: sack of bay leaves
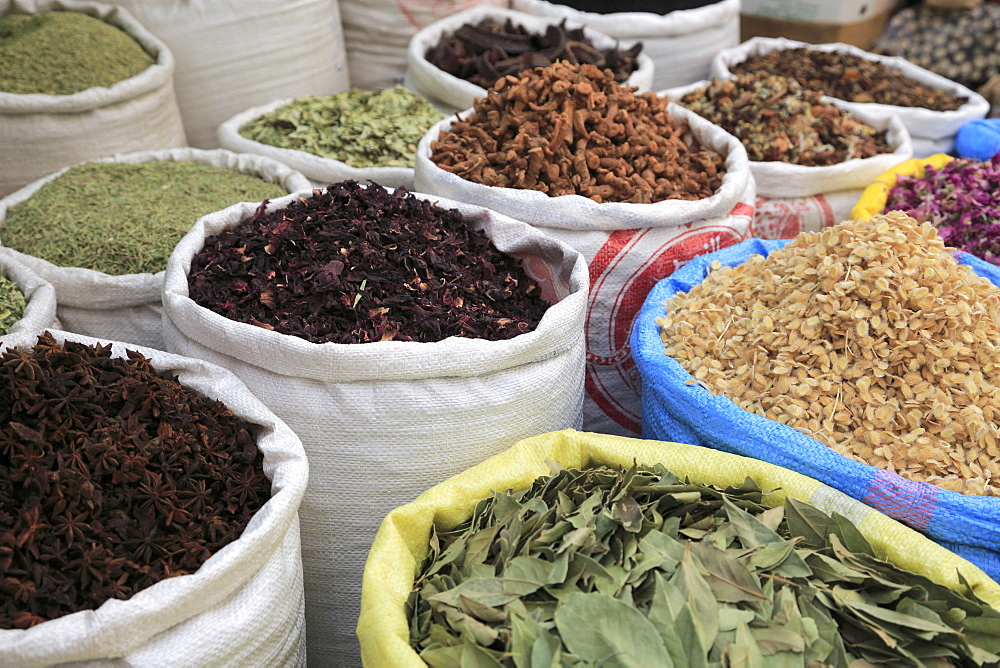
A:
(79, 80)
(358, 135)
(456, 59)
(27, 302)
(637, 185)
(930, 106)
(681, 36)
(574, 548)
(101, 232)
(403, 337)
(148, 512)
(865, 355)
(809, 157)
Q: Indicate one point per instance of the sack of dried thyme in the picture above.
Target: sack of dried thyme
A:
(912, 94)
(243, 606)
(40, 133)
(887, 400)
(27, 302)
(113, 301)
(403, 543)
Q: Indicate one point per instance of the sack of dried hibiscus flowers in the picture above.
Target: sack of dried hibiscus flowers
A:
(637, 185)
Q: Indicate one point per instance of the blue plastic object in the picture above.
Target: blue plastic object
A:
(675, 411)
(979, 139)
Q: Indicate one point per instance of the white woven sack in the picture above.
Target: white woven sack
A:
(628, 248)
(127, 307)
(42, 133)
(39, 295)
(932, 131)
(782, 179)
(234, 54)
(383, 421)
(377, 33)
(785, 218)
(319, 170)
(451, 93)
(681, 43)
(243, 607)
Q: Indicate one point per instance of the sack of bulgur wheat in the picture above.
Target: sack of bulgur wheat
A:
(680, 406)
(402, 543)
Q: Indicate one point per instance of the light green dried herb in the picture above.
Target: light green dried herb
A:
(124, 218)
(61, 53)
(12, 304)
(360, 128)
(607, 567)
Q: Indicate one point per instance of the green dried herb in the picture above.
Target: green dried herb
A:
(61, 53)
(12, 304)
(124, 218)
(377, 128)
(641, 568)
(777, 119)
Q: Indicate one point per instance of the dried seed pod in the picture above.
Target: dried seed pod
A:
(571, 129)
(868, 336)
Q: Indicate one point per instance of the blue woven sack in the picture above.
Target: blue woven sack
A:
(674, 411)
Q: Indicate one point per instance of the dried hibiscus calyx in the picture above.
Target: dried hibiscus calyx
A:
(354, 264)
(113, 476)
(572, 130)
(778, 120)
(488, 50)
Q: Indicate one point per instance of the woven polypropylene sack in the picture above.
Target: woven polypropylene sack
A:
(235, 54)
(381, 421)
(127, 307)
(931, 131)
(319, 170)
(628, 248)
(450, 93)
(377, 33)
(243, 607)
(673, 410)
(681, 43)
(402, 541)
(42, 133)
(40, 301)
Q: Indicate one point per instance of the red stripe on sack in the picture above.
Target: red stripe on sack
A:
(742, 209)
(912, 503)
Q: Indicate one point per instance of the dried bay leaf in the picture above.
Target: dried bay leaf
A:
(609, 632)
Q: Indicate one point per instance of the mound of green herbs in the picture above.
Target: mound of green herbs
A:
(124, 218)
(12, 304)
(61, 53)
(609, 567)
(379, 128)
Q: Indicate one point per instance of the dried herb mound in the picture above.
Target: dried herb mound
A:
(641, 568)
(962, 200)
(124, 218)
(869, 337)
(779, 120)
(653, 6)
(355, 265)
(484, 52)
(571, 129)
(61, 53)
(849, 77)
(379, 128)
(113, 477)
(12, 304)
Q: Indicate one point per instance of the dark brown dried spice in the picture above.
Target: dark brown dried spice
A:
(484, 52)
(846, 76)
(571, 129)
(104, 487)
